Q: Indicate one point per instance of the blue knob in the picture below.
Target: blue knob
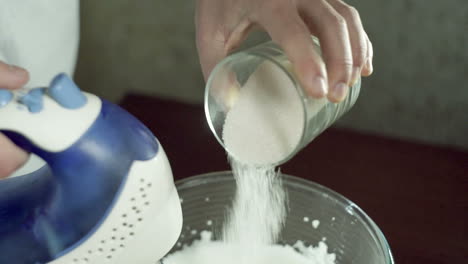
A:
(33, 100)
(5, 97)
(65, 92)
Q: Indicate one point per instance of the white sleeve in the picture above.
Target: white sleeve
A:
(41, 36)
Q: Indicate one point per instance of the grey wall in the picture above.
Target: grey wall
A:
(419, 90)
(144, 46)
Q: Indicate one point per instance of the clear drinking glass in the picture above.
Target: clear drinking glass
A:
(346, 229)
(230, 76)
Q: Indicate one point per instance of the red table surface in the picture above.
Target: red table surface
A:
(417, 194)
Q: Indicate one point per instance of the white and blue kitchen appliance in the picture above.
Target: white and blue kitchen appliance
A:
(98, 187)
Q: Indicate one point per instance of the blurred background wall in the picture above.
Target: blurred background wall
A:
(419, 90)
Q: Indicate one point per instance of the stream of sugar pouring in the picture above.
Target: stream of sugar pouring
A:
(259, 211)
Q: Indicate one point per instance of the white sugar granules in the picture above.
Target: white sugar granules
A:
(206, 251)
(315, 223)
(266, 123)
(259, 212)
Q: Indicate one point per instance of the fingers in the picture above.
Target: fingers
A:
(11, 157)
(368, 68)
(332, 31)
(282, 21)
(357, 37)
(12, 77)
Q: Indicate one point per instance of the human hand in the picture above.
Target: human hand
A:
(222, 25)
(11, 157)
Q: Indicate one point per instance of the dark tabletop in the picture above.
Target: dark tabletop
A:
(417, 194)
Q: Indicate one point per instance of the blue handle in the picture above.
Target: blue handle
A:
(46, 213)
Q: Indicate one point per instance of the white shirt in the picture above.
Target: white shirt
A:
(41, 36)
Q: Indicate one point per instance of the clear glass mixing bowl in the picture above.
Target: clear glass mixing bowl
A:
(347, 230)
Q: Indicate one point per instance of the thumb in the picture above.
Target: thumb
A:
(210, 39)
(211, 50)
(12, 77)
(213, 45)
(219, 31)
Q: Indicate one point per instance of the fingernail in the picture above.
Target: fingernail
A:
(369, 65)
(18, 71)
(340, 91)
(318, 86)
(355, 75)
